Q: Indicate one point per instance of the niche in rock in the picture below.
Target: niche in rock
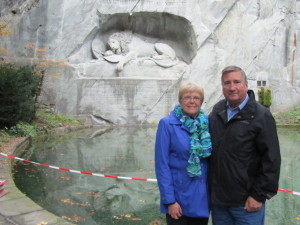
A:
(143, 44)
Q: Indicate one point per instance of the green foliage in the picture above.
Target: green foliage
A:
(264, 96)
(43, 121)
(23, 129)
(289, 117)
(4, 137)
(19, 86)
(51, 120)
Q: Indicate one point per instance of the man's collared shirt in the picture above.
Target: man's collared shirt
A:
(232, 111)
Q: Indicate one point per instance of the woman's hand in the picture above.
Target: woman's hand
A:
(175, 211)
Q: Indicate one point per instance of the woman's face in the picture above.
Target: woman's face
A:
(191, 103)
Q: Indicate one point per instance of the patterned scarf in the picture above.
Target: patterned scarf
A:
(200, 142)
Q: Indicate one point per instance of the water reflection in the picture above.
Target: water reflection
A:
(284, 208)
(125, 151)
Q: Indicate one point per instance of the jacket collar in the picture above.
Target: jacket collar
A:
(247, 112)
(175, 121)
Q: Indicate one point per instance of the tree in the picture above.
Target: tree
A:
(19, 86)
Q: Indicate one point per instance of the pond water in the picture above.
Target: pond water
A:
(127, 152)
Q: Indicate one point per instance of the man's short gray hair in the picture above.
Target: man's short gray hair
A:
(229, 69)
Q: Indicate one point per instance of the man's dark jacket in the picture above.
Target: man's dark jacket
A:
(246, 156)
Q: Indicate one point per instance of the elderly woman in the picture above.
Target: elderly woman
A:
(181, 148)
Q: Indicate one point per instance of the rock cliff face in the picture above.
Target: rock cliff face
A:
(122, 61)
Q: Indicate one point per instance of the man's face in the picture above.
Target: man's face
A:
(234, 88)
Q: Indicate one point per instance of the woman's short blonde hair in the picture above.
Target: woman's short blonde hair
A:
(190, 87)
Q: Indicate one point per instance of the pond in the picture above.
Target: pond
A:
(125, 152)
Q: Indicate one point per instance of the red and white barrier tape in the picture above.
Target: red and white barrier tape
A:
(80, 172)
(108, 176)
(290, 192)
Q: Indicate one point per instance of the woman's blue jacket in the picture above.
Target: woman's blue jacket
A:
(172, 148)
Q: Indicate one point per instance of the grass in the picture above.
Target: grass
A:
(4, 137)
(291, 117)
(43, 122)
(50, 120)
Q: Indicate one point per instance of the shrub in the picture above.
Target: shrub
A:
(23, 129)
(264, 96)
(19, 87)
(4, 137)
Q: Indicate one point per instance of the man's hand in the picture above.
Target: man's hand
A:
(175, 211)
(252, 205)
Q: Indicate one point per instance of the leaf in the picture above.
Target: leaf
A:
(128, 215)
(156, 222)
(42, 223)
(117, 217)
(70, 202)
(297, 218)
(136, 219)
(92, 194)
(64, 178)
(73, 218)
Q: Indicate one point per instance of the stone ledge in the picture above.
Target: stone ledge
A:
(16, 208)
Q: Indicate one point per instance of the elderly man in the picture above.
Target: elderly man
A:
(245, 163)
